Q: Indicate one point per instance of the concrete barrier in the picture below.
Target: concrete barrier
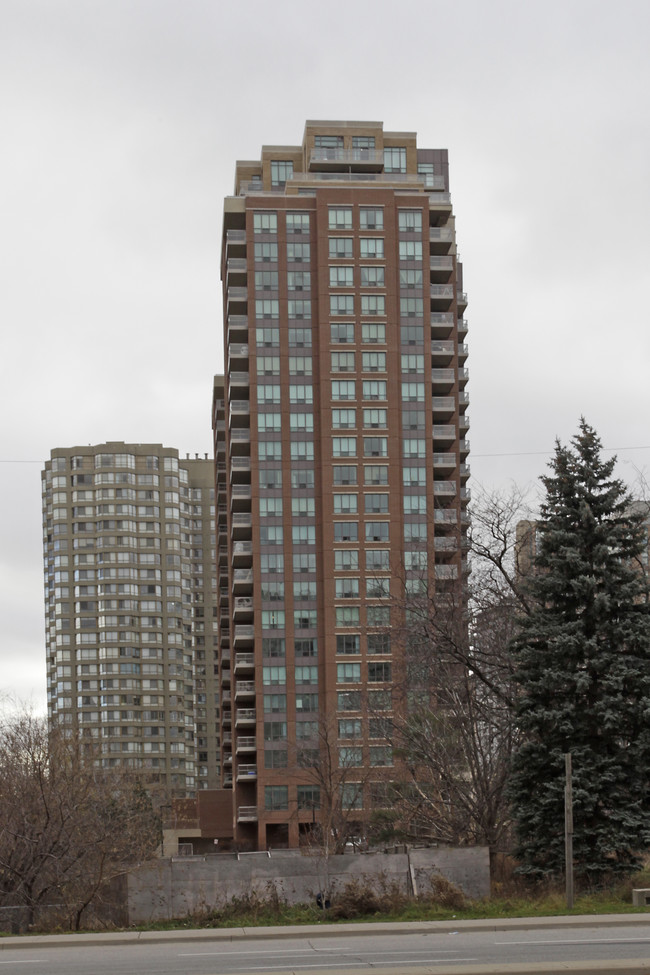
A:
(173, 888)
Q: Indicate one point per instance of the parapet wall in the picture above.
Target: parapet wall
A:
(178, 886)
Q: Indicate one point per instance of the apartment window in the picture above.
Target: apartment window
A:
(379, 673)
(297, 223)
(298, 308)
(373, 361)
(340, 218)
(371, 218)
(375, 419)
(373, 333)
(269, 422)
(348, 643)
(375, 446)
(344, 474)
(413, 448)
(379, 643)
(302, 478)
(412, 363)
(303, 507)
(377, 588)
(299, 338)
(270, 477)
(411, 307)
(281, 171)
(381, 755)
(348, 673)
(379, 700)
(265, 223)
(307, 702)
(341, 276)
(275, 703)
(299, 395)
(344, 446)
(374, 389)
(349, 728)
(378, 616)
(426, 169)
(267, 337)
(270, 507)
(272, 592)
(410, 221)
(375, 504)
(373, 305)
(345, 504)
(268, 394)
(308, 795)
(276, 758)
(346, 588)
(304, 562)
(413, 392)
(413, 420)
(410, 250)
(371, 248)
(344, 389)
(266, 280)
(302, 450)
(298, 252)
(273, 619)
(300, 365)
(304, 591)
(301, 422)
(344, 419)
(375, 474)
(267, 308)
(266, 251)
(342, 361)
(276, 797)
(372, 277)
(303, 534)
(274, 675)
(346, 560)
(341, 247)
(377, 531)
(298, 280)
(306, 675)
(328, 141)
(377, 560)
(363, 142)
(342, 305)
(348, 701)
(415, 561)
(395, 159)
(415, 532)
(269, 450)
(341, 333)
(350, 758)
(414, 476)
(415, 504)
(305, 648)
(410, 278)
(346, 531)
(411, 334)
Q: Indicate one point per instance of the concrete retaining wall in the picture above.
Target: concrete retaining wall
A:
(173, 888)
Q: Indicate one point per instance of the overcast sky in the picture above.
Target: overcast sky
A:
(121, 121)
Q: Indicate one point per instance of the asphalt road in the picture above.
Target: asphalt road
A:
(411, 949)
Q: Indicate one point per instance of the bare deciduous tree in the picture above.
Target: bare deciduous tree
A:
(66, 826)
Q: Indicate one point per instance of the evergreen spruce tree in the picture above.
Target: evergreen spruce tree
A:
(583, 670)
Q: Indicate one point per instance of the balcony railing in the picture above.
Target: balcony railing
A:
(447, 488)
(246, 772)
(244, 661)
(246, 814)
(246, 743)
(245, 716)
